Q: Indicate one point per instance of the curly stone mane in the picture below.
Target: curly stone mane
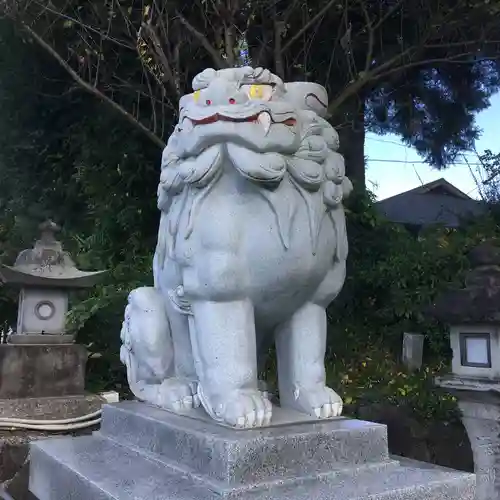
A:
(316, 170)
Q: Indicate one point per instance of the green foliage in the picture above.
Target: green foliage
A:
(376, 377)
(63, 155)
(420, 69)
(394, 274)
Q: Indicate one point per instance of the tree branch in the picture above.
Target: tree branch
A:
(388, 14)
(307, 25)
(365, 78)
(160, 54)
(380, 72)
(279, 27)
(371, 36)
(91, 89)
(219, 62)
(78, 22)
(456, 59)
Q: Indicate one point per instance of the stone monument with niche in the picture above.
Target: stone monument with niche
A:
(40, 359)
(473, 316)
(252, 248)
(45, 275)
(42, 370)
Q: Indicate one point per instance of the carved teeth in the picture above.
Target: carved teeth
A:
(265, 120)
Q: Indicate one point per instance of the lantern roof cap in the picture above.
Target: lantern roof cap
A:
(479, 300)
(47, 264)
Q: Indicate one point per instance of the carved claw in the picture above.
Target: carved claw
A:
(264, 389)
(320, 402)
(178, 395)
(242, 409)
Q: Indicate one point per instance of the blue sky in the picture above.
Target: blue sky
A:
(387, 177)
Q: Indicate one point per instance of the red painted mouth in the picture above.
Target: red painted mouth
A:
(221, 118)
(290, 122)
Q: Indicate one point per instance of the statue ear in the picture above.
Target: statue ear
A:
(203, 79)
(308, 96)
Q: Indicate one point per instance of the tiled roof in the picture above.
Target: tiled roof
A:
(438, 202)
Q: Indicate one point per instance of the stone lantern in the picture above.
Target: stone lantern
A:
(45, 274)
(42, 369)
(473, 316)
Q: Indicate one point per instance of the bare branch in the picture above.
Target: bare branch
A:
(78, 22)
(160, 54)
(364, 79)
(91, 89)
(387, 69)
(388, 14)
(371, 36)
(456, 59)
(307, 25)
(219, 62)
(279, 28)
(463, 43)
(229, 43)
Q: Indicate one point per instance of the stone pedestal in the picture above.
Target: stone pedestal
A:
(37, 382)
(479, 402)
(482, 422)
(38, 371)
(39, 339)
(142, 452)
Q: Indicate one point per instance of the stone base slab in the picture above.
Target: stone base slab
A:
(50, 408)
(238, 457)
(39, 371)
(145, 453)
(29, 339)
(14, 444)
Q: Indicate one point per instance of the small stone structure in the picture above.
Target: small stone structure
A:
(42, 370)
(413, 344)
(40, 360)
(252, 248)
(473, 315)
(45, 274)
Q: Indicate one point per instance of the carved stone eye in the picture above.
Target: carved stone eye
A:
(258, 92)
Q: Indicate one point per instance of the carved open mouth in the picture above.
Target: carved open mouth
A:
(264, 119)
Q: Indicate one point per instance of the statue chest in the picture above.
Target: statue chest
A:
(275, 244)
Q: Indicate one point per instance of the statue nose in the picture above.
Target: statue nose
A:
(221, 93)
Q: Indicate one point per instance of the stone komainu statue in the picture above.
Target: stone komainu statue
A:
(252, 248)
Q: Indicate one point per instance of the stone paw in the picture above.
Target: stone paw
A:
(178, 395)
(264, 389)
(319, 402)
(242, 409)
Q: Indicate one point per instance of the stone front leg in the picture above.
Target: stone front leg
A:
(224, 346)
(301, 345)
(185, 373)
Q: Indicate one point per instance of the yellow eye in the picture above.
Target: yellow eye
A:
(258, 92)
(196, 96)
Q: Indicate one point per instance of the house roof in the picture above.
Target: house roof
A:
(437, 202)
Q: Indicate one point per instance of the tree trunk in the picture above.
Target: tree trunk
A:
(352, 140)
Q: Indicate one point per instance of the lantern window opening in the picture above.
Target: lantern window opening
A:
(475, 350)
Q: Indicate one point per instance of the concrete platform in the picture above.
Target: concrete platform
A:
(15, 443)
(144, 453)
(50, 408)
